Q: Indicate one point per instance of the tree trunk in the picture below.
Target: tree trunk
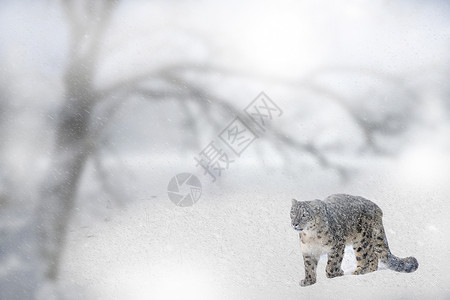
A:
(71, 152)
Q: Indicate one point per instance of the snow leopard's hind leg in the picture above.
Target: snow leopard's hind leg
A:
(366, 258)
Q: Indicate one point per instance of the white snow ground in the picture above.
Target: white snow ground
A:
(237, 243)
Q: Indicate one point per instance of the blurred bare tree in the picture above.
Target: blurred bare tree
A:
(74, 141)
(87, 109)
(3, 109)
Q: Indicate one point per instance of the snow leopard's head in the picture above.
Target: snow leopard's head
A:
(301, 215)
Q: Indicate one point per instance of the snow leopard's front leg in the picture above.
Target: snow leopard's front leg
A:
(310, 269)
(334, 261)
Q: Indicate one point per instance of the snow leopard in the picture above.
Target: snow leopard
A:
(328, 226)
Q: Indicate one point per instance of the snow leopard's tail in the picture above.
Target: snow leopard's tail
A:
(407, 265)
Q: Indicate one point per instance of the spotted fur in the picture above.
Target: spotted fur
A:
(328, 226)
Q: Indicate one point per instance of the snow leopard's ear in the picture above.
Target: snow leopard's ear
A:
(294, 202)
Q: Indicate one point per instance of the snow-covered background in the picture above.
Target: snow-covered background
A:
(237, 243)
(365, 93)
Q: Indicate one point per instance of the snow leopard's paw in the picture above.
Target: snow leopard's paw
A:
(307, 281)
